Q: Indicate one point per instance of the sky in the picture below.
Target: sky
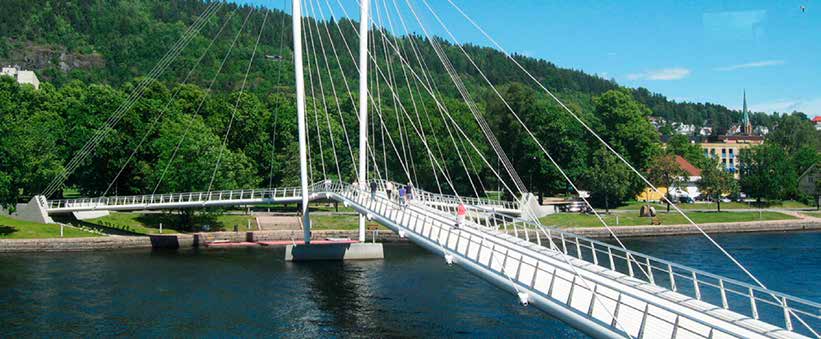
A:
(697, 51)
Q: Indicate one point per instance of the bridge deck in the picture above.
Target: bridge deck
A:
(586, 295)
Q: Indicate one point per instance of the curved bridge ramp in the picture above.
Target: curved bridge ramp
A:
(597, 300)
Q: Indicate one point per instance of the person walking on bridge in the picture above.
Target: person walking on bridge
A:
(389, 189)
(402, 193)
(460, 215)
(373, 190)
(409, 191)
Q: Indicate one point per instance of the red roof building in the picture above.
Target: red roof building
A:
(691, 170)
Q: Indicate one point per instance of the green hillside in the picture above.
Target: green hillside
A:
(93, 53)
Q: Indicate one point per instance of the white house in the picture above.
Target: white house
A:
(685, 129)
(22, 77)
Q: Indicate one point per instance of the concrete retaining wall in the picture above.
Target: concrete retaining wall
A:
(672, 230)
(196, 240)
(172, 241)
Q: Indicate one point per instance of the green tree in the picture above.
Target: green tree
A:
(624, 126)
(609, 179)
(681, 145)
(793, 132)
(715, 182)
(29, 131)
(664, 171)
(767, 173)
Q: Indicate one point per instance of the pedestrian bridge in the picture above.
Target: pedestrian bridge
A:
(601, 289)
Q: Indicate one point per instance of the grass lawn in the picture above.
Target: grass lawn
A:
(635, 205)
(16, 229)
(812, 214)
(138, 223)
(579, 220)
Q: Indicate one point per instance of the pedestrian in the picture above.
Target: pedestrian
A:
(389, 189)
(409, 191)
(460, 215)
(402, 193)
(373, 190)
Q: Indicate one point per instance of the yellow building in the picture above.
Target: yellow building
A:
(728, 148)
(650, 195)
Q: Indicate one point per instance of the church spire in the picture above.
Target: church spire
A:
(745, 102)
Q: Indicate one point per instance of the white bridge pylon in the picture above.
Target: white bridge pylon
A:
(595, 287)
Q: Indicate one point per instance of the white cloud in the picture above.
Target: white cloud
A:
(811, 107)
(756, 64)
(661, 74)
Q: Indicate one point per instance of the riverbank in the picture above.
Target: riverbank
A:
(201, 240)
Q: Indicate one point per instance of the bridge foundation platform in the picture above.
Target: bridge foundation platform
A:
(334, 251)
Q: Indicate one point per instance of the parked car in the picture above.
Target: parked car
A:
(686, 200)
(576, 206)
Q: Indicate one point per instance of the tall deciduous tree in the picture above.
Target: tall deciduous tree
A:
(624, 126)
(793, 132)
(767, 173)
(715, 182)
(665, 171)
(609, 179)
(681, 145)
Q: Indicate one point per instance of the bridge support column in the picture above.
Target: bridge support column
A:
(363, 104)
(34, 210)
(300, 108)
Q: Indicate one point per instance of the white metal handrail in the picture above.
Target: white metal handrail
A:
(398, 214)
(671, 274)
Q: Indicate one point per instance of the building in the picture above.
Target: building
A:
(22, 77)
(688, 189)
(726, 148)
(817, 121)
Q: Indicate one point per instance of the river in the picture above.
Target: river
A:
(254, 292)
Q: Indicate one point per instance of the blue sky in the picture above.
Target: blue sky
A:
(687, 50)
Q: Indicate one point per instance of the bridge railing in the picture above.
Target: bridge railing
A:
(181, 198)
(423, 195)
(431, 225)
(779, 309)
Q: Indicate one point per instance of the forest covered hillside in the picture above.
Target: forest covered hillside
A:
(205, 109)
(114, 41)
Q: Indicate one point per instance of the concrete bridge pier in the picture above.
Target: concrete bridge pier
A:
(334, 251)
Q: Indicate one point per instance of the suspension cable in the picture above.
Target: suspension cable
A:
(202, 101)
(617, 154)
(124, 107)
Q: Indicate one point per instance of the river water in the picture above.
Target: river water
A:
(254, 292)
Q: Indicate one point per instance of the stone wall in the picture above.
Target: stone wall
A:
(196, 240)
(672, 230)
(173, 241)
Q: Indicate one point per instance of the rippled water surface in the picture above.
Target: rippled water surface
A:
(254, 292)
